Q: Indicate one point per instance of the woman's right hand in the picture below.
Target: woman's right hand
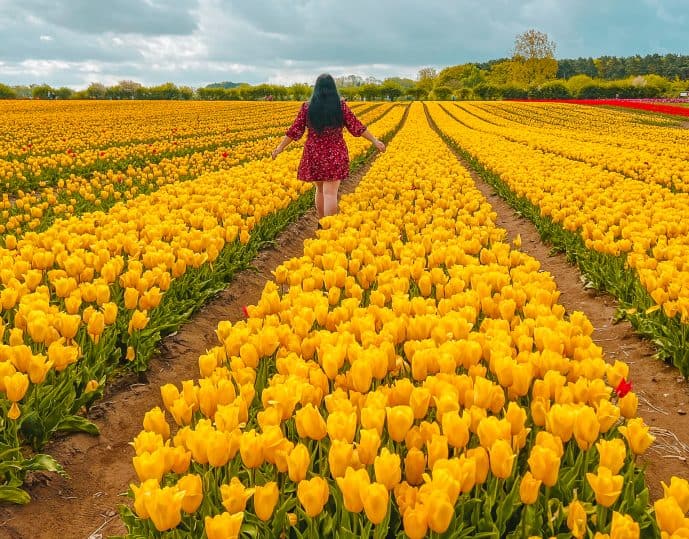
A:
(379, 146)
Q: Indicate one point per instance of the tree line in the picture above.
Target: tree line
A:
(532, 71)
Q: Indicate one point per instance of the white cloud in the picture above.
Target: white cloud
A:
(73, 42)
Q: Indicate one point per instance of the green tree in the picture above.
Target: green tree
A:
(426, 78)
(299, 91)
(6, 92)
(42, 91)
(369, 92)
(391, 90)
(534, 58)
(442, 93)
(64, 93)
(96, 90)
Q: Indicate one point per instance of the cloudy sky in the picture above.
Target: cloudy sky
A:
(195, 42)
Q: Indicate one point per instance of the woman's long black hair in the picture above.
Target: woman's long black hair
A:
(325, 109)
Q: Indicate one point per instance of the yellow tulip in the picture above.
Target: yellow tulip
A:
(235, 495)
(16, 386)
(140, 494)
(310, 423)
(340, 456)
(265, 499)
(440, 511)
(341, 425)
(181, 411)
(480, 456)
(624, 527)
(164, 507)
(313, 495)
(251, 449)
(605, 485)
(501, 459)
(224, 526)
(679, 490)
(147, 442)
(544, 464)
(154, 421)
(351, 485)
(415, 521)
(612, 454)
(669, 515)
(375, 501)
(437, 449)
(529, 488)
(369, 443)
(192, 487)
(636, 433)
(414, 466)
(560, 421)
(586, 427)
(628, 405)
(576, 519)
(388, 469)
(419, 400)
(455, 429)
(38, 368)
(138, 321)
(400, 419)
(298, 463)
(607, 414)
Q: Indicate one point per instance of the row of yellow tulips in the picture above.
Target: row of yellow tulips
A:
(638, 226)
(100, 188)
(103, 286)
(54, 127)
(616, 141)
(409, 374)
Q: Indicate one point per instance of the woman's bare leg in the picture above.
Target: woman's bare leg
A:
(330, 197)
(319, 199)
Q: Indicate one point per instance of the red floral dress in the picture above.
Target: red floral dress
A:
(325, 156)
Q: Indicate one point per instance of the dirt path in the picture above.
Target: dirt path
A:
(663, 393)
(100, 468)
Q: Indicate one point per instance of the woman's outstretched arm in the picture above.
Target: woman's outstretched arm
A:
(377, 143)
(283, 144)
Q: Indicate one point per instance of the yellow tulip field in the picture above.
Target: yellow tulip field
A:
(411, 373)
(92, 293)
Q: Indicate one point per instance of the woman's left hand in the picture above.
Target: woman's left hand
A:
(275, 153)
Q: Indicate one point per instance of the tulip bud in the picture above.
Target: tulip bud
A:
(351, 485)
(235, 495)
(298, 463)
(154, 421)
(375, 500)
(192, 487)
(679, 490)
(387, 469)
(400, 419)
(576, 519)
(529, 488)
(265, 499)
(605, 485)
(416, 522)
(224, 526)
(414, 466)
(636, 433)
(313, 495)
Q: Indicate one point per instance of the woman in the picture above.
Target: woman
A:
(325, 160)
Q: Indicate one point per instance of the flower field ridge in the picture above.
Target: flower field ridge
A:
(410, 375)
